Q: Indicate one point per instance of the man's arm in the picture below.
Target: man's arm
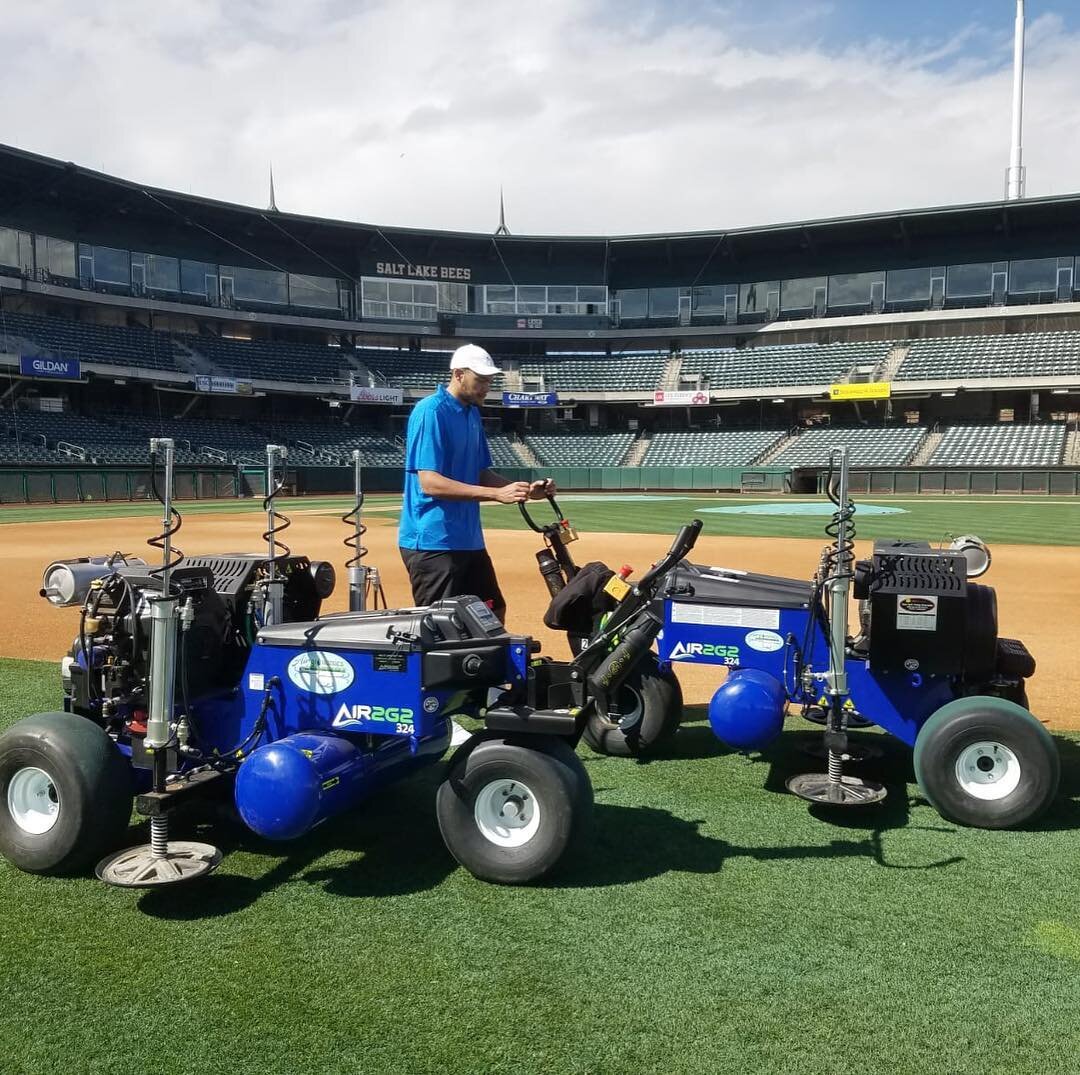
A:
(498, 490)
(537, 489)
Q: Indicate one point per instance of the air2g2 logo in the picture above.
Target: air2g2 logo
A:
(705, 651)
(399, 717)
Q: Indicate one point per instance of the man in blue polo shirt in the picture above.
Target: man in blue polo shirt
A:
(447, 476)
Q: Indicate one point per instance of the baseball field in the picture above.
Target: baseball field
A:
(712, 922)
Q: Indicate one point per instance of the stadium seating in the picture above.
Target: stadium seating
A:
(1001, 446)
(61, 337)
(580, 449)
(776, 366)
(638, 371)
(408, 369)
(502, 451)
(733, 447)
(1026, 354)
(866, 447)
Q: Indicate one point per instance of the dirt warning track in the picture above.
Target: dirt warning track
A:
(1038, 587)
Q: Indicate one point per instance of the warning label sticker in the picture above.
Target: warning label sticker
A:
(916, 612)
(724, 616)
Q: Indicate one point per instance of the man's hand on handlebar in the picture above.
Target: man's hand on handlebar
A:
(542, 489)
(514, 493)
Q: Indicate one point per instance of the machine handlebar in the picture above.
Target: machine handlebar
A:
(531, 523)
(684, 541)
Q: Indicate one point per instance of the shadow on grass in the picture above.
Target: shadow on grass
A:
(391, 842)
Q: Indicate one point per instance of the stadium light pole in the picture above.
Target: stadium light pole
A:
(1015, 179)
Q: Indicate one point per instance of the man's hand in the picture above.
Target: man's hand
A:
(514, 493)
(540, 490)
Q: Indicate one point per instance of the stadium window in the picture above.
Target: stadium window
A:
(9, 247)
(663, 302)
(162, 274)
(258, 285)
(853, 289)
(907, 286)
(968, 281)
(316, 292)
(500, 299)
(709, 301)
(61, 258)
(193, 278)
(592, 294)
(634, 304)
(453, 298)
(798, 295)
(531, 299)
(754, 297)
(1032, 277)
(112, 266)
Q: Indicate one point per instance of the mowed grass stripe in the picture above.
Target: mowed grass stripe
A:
(1009, 521)
(711, 924)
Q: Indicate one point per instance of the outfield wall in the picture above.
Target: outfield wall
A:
(50, 484)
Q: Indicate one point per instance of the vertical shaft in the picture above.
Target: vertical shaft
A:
(357, 570)
(1016, 184)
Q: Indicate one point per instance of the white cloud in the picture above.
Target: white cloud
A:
(596, 117)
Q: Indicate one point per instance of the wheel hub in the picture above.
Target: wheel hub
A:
(507, 813)
(988, 770)
(33, 801)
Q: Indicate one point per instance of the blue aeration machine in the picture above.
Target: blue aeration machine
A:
(218, 676)
(925, 663)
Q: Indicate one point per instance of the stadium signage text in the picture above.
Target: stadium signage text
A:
(692, 398)
(864, 390)
(424, 272)
(530, 399)
(68, 369)
(228, 385)
(361, 393)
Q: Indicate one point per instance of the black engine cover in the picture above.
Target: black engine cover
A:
(918, 609)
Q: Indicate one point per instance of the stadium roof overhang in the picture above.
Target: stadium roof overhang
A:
(96, 207)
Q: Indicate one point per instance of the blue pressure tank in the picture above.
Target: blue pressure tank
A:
(747, 710)
(287, 787)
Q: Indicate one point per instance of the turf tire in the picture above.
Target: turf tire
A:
(92, 783)
(954, 729)
(557, 784)
(653, 699)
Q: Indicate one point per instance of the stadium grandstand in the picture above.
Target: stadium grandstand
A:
(926, 341)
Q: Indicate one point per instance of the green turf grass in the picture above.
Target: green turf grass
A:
(1017, 521)
(712, 924)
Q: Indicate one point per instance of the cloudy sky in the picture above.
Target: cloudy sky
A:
(596, 116)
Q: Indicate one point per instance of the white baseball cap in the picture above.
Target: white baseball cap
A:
(471, 357)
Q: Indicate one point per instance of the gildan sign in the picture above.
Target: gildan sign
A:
(662, 398)
(360, 393)
(422, 272)
(66, 369)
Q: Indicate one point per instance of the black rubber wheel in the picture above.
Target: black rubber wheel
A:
(651, 708)
(65, 793)
(986, 762)
(509, 811)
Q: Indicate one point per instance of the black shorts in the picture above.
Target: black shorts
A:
(434, 575)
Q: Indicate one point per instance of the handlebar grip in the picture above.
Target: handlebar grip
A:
(685, 539)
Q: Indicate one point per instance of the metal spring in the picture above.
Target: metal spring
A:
(159, 836)
(271, 535)
(352, 542)
(171, 529)
(836, 767)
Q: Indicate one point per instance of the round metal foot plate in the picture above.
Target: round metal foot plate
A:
(850, 791)
(139, 867)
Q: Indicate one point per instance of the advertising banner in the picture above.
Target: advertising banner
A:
(530, 399)
(67, 369)
(229, 385)
(693, 398)
(361, 393)
(863, 390)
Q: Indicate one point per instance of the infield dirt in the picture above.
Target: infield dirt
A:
(1038, 587)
